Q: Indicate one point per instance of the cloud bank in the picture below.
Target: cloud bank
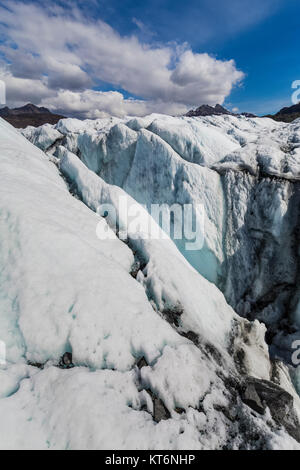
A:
(56, 57)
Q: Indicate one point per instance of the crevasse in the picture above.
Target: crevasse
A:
(244, 171)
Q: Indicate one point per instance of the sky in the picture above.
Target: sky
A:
(93, 58)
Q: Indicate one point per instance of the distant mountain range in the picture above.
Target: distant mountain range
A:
(287, 114)
(218, 110)
(29, 115)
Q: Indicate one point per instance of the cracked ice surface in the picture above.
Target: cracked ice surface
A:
(245, 173)
(62, 289)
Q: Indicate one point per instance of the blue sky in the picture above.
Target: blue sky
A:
(263, 37)
(151, 55)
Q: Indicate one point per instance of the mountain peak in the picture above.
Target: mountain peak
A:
(31, 108)
(29, 115)
(207, 110)
(218, 110)
(287, 114)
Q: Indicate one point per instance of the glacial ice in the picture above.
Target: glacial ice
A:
(62, 289)
(208, 160)
(166, 271)
(232, 154)
(245, 175)
(177, 153)
(45, 137)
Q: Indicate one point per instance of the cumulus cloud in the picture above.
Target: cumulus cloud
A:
(205, 76)
(24, 90)
(97, 104)
(57, 56)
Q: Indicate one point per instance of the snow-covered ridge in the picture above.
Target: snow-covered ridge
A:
(160, 359)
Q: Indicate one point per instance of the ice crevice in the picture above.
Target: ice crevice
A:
(165, 306)
(245, 172)
(262, 255)
(161, 287)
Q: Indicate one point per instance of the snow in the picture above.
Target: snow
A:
(79, 409)
(11, 377)
(62, 288)
(176, 389)
(83, 409)
(46, 235)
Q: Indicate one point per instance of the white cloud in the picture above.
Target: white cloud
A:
(201, 74)
(97, 104)
(24, 90)
(60, 52)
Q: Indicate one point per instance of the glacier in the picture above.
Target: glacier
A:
(244, 171)
(170, 349)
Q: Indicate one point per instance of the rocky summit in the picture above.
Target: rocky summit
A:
(29, 115)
